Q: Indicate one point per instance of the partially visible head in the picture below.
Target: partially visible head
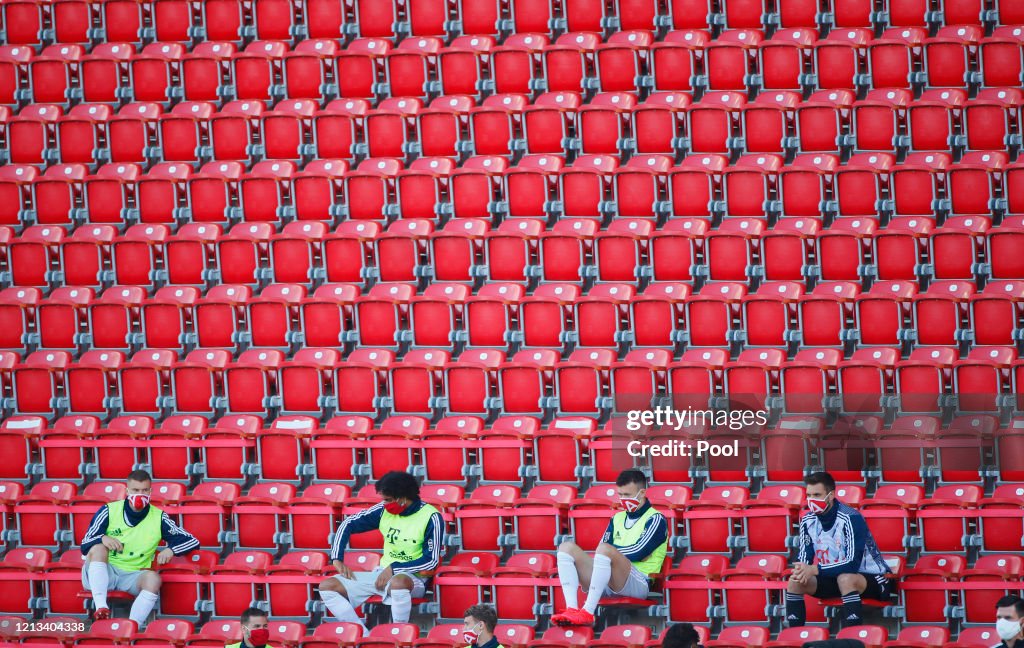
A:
(821, 491)
(681, 635)
(398, 490)
(479, 624)
(255, 626)
(632, 487)
(140, 487)
(1009, 615)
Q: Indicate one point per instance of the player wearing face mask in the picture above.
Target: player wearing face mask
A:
(478, 627)
(413, 536)
(1010, 622)
(632, 549)
(255, 630)
(120, 544)
(838, 557)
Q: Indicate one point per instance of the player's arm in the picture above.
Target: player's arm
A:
(97, 528)
(361, 522)
(177, 538)
(806, 551)
(655, 533)
(433, 549)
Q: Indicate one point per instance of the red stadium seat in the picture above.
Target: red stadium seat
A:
(872, 636)
(947, 56)
(740, 636)
(924, 635)
(1000, 56)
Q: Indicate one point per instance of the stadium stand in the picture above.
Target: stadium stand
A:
(271, 250)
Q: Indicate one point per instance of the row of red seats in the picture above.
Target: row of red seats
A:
(267, 71)
(533, 382)
(758, 186)
(970, 442)
(290, 634)
(954, 519)
(388, 314)
(612, 124)
(189, 444)
(33, 23)
(496, 516)
(630, 250)
(700, 589)
(330, 635)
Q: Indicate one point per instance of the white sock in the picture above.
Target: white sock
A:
(143, 605)
(401, 605)
(598, 581)
(341, 608)
(99, 582)
(570, 579)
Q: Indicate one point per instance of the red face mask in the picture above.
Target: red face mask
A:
(138, 501)
(817, 505)
(394, 508)
(631, 503)
(259, 636)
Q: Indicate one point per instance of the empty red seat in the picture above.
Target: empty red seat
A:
(732, 58)
(894, 56)
(714, 121)
(947, 56)
(860, 184)
(57, 194)
(880, 118)
(841, 57)
(740, 636)
(256, 70)
(31, 132)
(547, 123)
(1000, 56)
(677, 62)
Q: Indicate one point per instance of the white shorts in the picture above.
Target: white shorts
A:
(120, 580)
(637, 585)
(363, 586)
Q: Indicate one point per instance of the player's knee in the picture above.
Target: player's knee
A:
(401, 581)
(98, 552)
(332, 585)
(849, 582)
(150, 581)
(607, 550)
(568, 547)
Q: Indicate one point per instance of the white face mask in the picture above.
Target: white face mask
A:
(1007, 629)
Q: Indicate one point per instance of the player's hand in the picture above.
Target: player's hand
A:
(112, 544)
(799, 574)
(343, 569)
(164, 556)
(383, 578)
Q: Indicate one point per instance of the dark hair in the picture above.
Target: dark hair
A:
(680, 635)
(823, 478)
(139, 476)
(400, 485)
(1016, 602)
(252, 612)
(631, 476)
(484, 614)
